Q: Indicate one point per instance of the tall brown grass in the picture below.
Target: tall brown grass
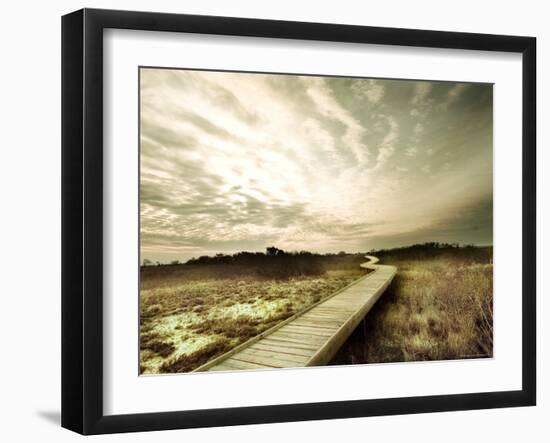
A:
(438, 307)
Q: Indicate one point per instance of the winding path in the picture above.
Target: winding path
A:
(312, 336)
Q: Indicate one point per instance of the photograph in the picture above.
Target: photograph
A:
(290, 220)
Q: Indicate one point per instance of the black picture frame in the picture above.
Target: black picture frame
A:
(82, 219)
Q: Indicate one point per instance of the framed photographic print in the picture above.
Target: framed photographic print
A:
(269, 221)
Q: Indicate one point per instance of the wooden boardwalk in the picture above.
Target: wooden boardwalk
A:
(313, 336)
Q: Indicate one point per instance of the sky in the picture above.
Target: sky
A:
(241, 161)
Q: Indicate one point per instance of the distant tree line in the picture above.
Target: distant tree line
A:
(271, 254)
(422, 246)
(312, 262)
(435, 249)
(274, 262)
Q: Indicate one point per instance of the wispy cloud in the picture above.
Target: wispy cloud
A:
(411, 152)
(234, 161)
(454, 94)
(421, 92)
(372, 90)
(327, 104)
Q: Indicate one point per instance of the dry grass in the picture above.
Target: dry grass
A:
(188, 362)
(191, 314)
(437, 308)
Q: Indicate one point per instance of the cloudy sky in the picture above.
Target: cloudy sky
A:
(235, 161)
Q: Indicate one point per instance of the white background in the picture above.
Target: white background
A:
(126, 393)
(30, 234)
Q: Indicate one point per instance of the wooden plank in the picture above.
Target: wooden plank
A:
(273, 359)
(345, 304)
(305, 338)
(325, 315)
(276, 362)
(320, 320)
(325, 324)
(279, 348)
(328, 308)
(334, 310)
(309, 328)
(302, 330)
(235, 365)
(295, 344)
(255, 352)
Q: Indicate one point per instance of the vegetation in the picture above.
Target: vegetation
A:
(439, 307)
(193, 312)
